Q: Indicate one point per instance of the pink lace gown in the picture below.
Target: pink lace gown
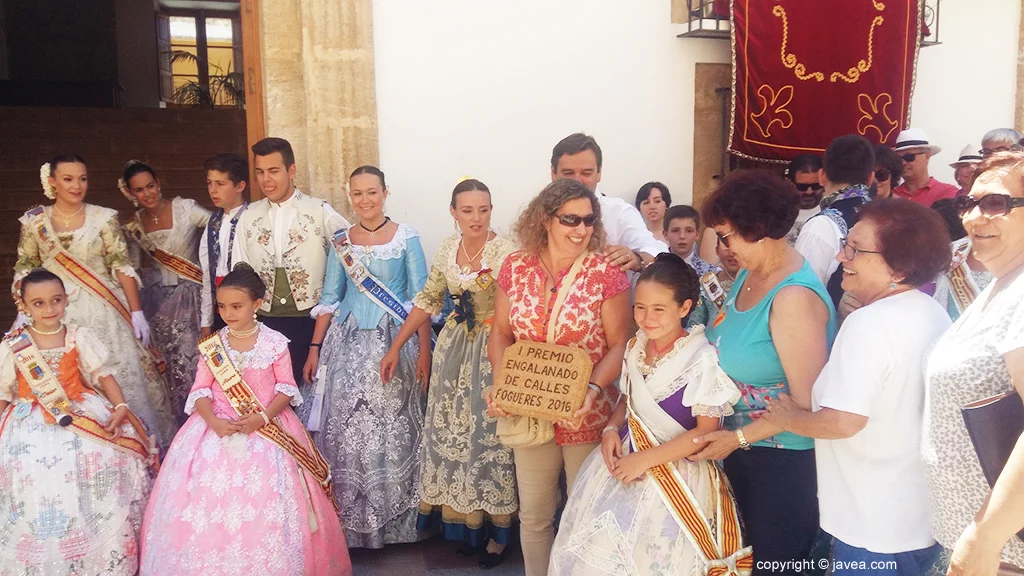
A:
(241, 504)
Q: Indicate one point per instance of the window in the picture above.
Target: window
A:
(200, 60)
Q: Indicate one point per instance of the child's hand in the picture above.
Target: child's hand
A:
(114, 424)
(224, 427)
(251, 423)
(631, 467)
(611, 449)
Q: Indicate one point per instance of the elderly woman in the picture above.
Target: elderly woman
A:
(1000, 140)
(560, 289)
(980, 356)
(652, 200)
(773, 338)
(888, 167)
(868, 402)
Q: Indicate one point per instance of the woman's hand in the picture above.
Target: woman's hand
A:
(309, 368)
(423, 369)
(493, 409)
(611, 449)
(388, 364)
(140, 327)
(780, 410)
(251, 423)
(973, 556)
(589, 401)
(222, 427)
(721, 443)
(631, 467)
(113, 425)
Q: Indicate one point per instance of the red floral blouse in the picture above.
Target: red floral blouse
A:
(579, 321)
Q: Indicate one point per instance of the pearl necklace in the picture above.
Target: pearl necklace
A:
(41, 333)
(246, 334)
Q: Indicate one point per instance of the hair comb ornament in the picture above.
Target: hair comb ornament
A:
(44, 179)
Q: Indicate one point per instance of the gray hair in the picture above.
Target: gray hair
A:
(1006, 136)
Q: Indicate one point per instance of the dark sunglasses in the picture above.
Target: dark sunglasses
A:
(573, 220)
(724, 238)
(806, 187)
(985, 152)
(993, 205)
(882, 175)
(908, 158)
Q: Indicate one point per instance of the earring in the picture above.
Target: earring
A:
(254, 316)
(455, 224)
(892, 286)
(761, 241)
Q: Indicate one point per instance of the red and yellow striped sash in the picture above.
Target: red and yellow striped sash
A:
(724, 556)
(180, 266)
(244, 402)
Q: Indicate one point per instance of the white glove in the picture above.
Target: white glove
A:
(141, 327)
(20, 321)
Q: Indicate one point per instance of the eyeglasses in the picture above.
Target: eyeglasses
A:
(806, 187)
(908, 158)
(850, 252)
(986, 152)
(724, 238)
(882, 175)
(574, 220)
(991, 206)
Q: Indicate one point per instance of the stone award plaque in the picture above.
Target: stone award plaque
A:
(542, 380)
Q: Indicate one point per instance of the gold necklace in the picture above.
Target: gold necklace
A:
(468, 266)
(41, 333)
(246, 334)
(67, 217)
(155, 219)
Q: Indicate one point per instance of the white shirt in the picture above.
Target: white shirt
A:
(222, 270)
(625, 226)
(281, 216)
(872, 492)
(819, 243)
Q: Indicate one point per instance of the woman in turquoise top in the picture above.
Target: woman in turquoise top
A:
(370, 431)
(773, 337)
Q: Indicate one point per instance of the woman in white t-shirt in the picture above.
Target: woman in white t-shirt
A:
(868, 401)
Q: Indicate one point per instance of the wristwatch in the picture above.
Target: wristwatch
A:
(744, 445)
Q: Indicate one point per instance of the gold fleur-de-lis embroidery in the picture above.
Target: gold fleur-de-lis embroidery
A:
(773, 109)
(875, 116)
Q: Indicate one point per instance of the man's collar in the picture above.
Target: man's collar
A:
(289, 202)
(231, 213)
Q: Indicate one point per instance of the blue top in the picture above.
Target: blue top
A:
(399, 265)
(748, 355)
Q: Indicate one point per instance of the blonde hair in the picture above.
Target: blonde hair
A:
(531, 228)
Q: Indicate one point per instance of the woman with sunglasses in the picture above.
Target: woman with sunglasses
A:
(867, 403)
(773, 337)
(887, 171)
(560, 289)
(982, 355)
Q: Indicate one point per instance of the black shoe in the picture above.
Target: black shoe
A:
(490, 560)
(468, 550)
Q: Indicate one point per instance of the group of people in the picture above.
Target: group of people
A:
(259, 388)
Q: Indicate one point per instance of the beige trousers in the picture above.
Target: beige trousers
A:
(537, 472)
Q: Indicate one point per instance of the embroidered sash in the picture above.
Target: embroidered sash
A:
(83, 275)
(50, 395)
(961, 283)
(244, 402)
(360, 275)
(713, 290)
(722, 556)
(180, 266)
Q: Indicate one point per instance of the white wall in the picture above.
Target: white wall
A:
(966, 85)
(486, 88)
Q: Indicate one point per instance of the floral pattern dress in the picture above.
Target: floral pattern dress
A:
(241, 504)
(578, 323)
(467, 475)
(100, 244)
(171, 303)
(71, 505)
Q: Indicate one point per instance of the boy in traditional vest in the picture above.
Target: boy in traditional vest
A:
(227, 181)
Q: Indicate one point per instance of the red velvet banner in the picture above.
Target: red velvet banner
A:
(806, 71)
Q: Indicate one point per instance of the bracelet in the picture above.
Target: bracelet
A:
(609, 427)
(744, 445)
(315, 344)
(266, 421)
(121, 404)
(594, 387)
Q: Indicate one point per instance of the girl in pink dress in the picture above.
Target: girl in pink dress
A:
(230, 498)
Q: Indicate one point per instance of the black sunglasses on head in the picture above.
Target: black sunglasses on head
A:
(573, 220)
(992, 205)
(806, 187)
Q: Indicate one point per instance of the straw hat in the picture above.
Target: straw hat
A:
(915, 138)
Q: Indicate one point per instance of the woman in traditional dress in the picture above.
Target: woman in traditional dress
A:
(562, 290)
(84, 245)
(467, 476)
(618, 519)
(243, 490)
(167, 234)
(370, 431)
(73, 493)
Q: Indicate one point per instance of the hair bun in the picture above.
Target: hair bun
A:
(670, 258)
(242, 267)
